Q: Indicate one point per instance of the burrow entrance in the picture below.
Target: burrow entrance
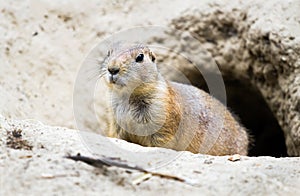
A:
(246, 102)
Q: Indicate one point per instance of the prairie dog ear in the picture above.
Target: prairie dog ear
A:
(152, 56)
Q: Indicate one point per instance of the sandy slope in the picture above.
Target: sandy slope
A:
(45, 44)
(44, 170)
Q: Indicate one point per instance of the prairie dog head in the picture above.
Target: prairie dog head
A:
(129, 67)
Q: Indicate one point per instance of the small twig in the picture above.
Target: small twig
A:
(105, 161)
(109, 161)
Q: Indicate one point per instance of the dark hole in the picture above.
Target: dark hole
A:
(246, 102)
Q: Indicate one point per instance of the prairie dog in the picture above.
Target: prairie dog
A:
(148, 110)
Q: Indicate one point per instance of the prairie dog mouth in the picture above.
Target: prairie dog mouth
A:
(112, 78)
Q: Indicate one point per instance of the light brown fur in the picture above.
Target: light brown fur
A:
(150, 111)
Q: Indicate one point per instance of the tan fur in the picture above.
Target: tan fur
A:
(185, 118)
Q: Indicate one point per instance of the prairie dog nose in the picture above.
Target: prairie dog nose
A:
(113, 70)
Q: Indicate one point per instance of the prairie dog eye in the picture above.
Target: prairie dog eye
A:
(139, 58)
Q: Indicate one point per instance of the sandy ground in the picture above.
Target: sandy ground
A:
(44, 170)
(43, 45)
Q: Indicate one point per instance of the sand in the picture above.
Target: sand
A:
(44, 170)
